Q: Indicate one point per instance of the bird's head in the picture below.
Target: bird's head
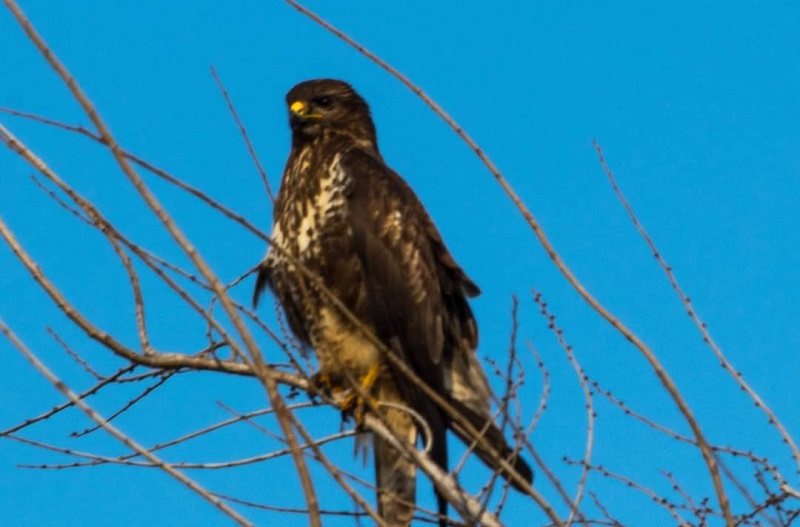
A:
(327, 105)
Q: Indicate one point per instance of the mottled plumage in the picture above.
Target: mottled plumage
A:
(355, 224)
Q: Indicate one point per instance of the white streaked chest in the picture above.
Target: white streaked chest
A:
(316, 194)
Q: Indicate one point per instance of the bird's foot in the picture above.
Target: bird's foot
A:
(326, 384)
(357, 401)
(356, 405)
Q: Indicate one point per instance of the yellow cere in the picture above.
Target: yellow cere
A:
(297, 107)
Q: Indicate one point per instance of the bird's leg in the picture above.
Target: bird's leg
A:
(356, 401)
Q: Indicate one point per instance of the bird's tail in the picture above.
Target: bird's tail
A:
(493, 437)
(395, 476)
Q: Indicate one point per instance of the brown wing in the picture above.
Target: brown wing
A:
(414, 292)
(416, 295)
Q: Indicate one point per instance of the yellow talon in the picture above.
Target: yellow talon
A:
(355, 402)
(369, 379)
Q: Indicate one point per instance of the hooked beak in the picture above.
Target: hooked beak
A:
(299, 111)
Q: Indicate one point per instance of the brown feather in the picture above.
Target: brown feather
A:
(353, 222)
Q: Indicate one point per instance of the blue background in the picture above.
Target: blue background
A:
(695, 106)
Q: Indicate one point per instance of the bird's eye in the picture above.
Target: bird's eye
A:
(324, 101)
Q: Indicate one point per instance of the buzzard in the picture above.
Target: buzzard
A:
(361, 233)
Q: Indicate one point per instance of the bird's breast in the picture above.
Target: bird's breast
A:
(313, 208)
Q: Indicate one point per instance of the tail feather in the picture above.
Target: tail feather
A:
(396, 476)
(438, 453)
(492, 436)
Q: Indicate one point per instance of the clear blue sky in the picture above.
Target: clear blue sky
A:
(697, 110)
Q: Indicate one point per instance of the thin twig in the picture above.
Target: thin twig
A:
(161, 173)
(690, 310)
(545, 395)
(116, 433)
(50, 413)
(243, 131)
(671, 507)
(128, 405)
(589, 404)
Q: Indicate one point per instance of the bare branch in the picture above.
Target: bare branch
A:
(699, 324)
(243, 131)
(589, 405)
(120, 436)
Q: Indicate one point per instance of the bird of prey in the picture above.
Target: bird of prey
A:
(346, 225)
